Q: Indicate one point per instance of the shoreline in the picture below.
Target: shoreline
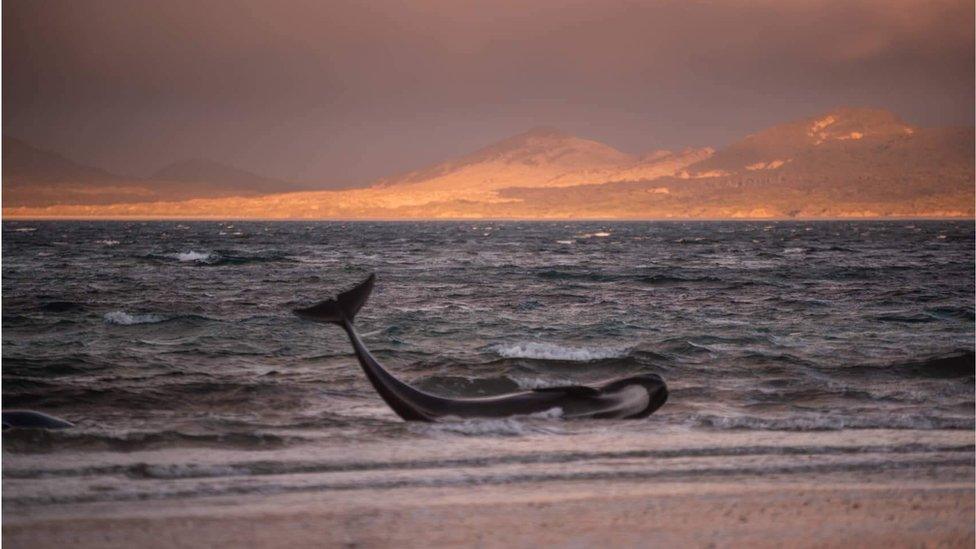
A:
(748, 512)
(485, 219)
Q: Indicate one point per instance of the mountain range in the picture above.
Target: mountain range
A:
(36, 177)
(846, 163)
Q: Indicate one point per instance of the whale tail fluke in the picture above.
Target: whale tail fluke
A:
(344, 307)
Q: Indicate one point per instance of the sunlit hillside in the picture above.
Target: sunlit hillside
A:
(844, 163)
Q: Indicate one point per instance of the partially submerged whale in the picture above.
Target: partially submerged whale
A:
(29, 419)
(627, 398)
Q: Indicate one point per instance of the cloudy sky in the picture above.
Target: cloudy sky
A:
(342, 92)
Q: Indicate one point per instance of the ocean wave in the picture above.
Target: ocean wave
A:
(61, 306)
(196, 257)
(947, 365)
(535, 382)
(823, 422)
(552, 351)
(123, 318)
(463, 316)
(37, 372)
(261, 467)
(929, 315)
(552, 274)
(652, 279)
(219, 257)
(468, 386)
(952, 313)
(672, 280)
(39, 440)
(183, 470)
(908, 318)
(142, 492)
(477, 386)
(223, 398)
(509, 426)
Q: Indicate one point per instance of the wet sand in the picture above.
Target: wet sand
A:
(900, 512)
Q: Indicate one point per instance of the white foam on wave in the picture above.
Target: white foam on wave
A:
(565, 242)
(530, 382)
(128, 319)
(598, 234)
(25, 230)
(197, 257)
(552, 351)
(829, 423)
(108, 242)
(190, 470)
(509, 426)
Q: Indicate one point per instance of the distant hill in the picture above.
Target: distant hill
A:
(35, 177)
(24, 164)
(843, 132)
(216, 176)
(541, 157)
(846, 163)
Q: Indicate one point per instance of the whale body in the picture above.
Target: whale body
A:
(29, 419)
(631, 397)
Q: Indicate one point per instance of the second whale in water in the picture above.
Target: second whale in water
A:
(626, 398)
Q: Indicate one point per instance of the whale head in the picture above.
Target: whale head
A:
(659, 396)
(657, 391)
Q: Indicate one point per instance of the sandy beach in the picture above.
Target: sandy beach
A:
(748, 512)
(810, 490)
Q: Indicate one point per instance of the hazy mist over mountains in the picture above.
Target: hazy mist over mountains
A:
(551, 108)
(37, 177)
(348, 92)
(849, 162)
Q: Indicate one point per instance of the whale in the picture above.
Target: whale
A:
(30, 419)
(633, 397)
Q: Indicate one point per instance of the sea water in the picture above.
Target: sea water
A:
(834, 347)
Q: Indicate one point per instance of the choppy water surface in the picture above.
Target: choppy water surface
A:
(172, 347)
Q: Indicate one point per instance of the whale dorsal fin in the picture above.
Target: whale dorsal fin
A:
(575, 390)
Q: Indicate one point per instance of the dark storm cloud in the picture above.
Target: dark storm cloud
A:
(347, 91)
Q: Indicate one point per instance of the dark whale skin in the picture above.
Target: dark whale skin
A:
(632, 397)
(29, 419)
